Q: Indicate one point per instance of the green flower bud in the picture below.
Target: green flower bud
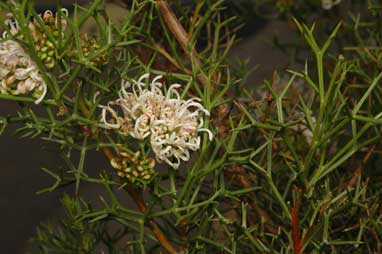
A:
(50, 63)
(43, 56)
(49, 44)
(115, 164)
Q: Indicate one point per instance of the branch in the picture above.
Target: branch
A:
(183, 228)
(181, 36)
(297, 244)
(177, 30)
(138, 199)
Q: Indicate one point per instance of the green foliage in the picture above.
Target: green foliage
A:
(291, 167)
(71, 235)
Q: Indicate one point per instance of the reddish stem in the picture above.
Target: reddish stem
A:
(138, 199)
(297, 245)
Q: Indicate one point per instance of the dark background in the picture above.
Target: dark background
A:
(21, 209)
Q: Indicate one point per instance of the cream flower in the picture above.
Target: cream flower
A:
(169, 122)
(18, 72)
(328, 4)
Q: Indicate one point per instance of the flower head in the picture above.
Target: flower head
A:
(18, 72)
(169, 122)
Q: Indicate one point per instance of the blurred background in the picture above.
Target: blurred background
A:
(21, 209)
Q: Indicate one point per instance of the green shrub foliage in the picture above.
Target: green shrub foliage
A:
(200, 159)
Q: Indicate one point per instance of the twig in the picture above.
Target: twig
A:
(138, 199)
(181, 36)
(177, 30)
(183, 231)
(373, 231)
(239, 176)
(194, 18)
(297, 244)
(358, 171)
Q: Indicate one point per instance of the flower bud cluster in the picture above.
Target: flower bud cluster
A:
(134, 167)
(45, 48)
(169, 122)
(91, 45)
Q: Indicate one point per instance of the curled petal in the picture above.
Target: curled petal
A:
(122, 92)
(47, 14)
(22, 73)
(172, 91)
(44, 91)
(144, 76)
(106, 109)
(65, 11)
(13, 25)
(155, 82)
(210, 135)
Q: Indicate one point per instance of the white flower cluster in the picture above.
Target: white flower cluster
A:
(171, 123)
(18, 72)
(328, 4)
